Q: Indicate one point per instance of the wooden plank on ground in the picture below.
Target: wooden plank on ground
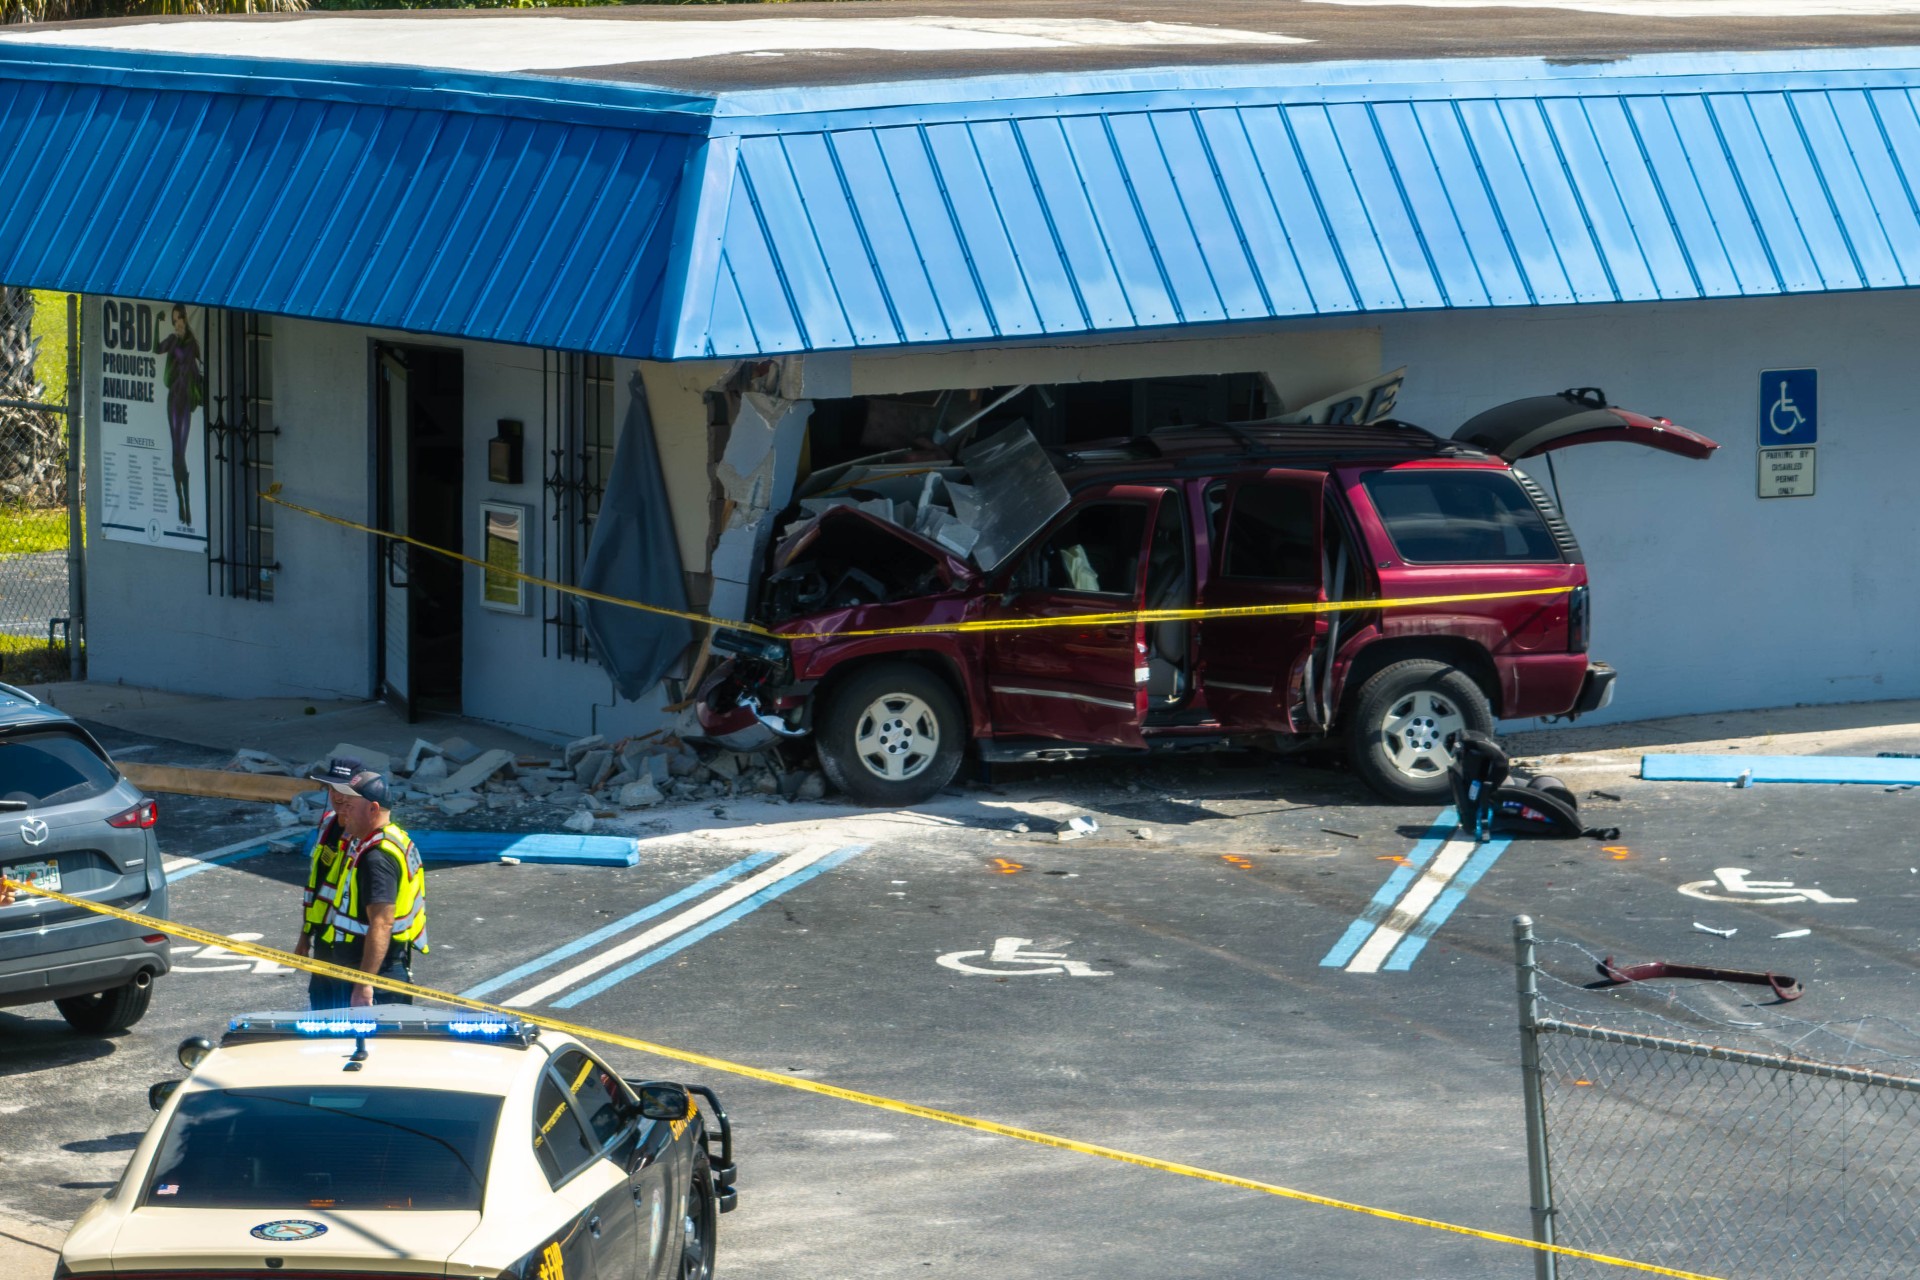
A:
(179, 781)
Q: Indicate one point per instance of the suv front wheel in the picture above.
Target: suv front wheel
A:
(1406, 725)
(891, 735)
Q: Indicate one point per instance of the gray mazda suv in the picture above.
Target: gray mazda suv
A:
(70, 822)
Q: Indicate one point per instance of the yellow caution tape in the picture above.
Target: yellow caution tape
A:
(1120, 618)
(308, 964)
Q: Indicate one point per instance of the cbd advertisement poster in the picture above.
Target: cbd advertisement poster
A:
(151, 375)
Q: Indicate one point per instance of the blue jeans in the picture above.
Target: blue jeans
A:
(331, 993)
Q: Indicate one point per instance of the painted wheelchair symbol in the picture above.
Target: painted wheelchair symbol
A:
(1733, 884)
(1784, 415)
(1011, 952)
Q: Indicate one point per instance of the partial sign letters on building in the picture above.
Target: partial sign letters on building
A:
(151, 375)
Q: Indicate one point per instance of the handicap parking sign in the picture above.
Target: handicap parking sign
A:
(1789, 407)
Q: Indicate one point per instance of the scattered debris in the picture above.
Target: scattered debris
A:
(1784, 987)
(1346, 834)
(1143, 833)
(1077, 828)
(581, 821)
(458, 750)
(1020, 828)
(1794, 933)
(508, 861)
(455, 805)
(640, 794)
(1745, 779)
(1718, 933)
(1603, 795)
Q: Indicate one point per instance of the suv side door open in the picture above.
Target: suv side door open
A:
(1084, 684)
(1268, 548)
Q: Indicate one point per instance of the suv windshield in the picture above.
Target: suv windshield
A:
(325, 1148)
(1459, 517)
(47, 767)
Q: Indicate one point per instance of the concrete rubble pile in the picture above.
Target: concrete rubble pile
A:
(591, 778)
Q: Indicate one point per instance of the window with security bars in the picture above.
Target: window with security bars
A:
(241, 432)
(578, 437)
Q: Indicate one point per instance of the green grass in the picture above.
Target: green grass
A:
(50, 328)
(24, 530)
(25, 660)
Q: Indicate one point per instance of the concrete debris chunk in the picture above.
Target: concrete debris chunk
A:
(248, 761)
(682, 762)
(725, 765)
(581, 746)
(766, 784)
(620, 779)
(455, 805)
(591, 767)
(285, 816)
(431, 769)
(420, 750)
(812, 787)
(1077, 828)
(641, 794)
(536, 785)
(378, 761)
(471, 775)
(458, 750)
(581, 821)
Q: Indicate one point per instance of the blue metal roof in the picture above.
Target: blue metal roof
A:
(604, 218)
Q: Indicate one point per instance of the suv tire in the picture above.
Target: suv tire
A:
(891, 735)
(105, 1012)
(1406, 724)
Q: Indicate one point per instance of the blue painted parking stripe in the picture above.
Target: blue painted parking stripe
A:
(706, 928)
(1452, 896)
(1382, 904)
(574, 948)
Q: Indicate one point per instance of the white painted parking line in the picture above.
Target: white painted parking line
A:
(193, 864)
(786, 868)
(1407, 912)
(1421, 894)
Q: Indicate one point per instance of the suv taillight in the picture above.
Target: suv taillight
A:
(1579, 620)
(142, 815)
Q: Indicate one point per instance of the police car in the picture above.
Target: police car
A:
(398, 1141)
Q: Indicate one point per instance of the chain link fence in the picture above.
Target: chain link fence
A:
(36, 350)
(1725, 1161)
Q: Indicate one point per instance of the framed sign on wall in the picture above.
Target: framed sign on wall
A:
(503, 545)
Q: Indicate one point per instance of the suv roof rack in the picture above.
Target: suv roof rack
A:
(16, 691)
(386, 1022)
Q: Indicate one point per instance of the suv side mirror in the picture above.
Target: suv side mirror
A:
(158, 1093)
(664, 1101)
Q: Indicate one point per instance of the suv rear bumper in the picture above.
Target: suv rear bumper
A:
(1596, 691)
(82, 970)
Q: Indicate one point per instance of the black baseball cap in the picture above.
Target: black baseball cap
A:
(345, 774)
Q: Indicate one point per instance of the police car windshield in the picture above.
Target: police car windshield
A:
(325, 1148)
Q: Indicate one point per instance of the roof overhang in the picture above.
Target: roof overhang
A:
(617, 218)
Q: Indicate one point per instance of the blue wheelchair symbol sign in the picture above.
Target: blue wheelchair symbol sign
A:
(1789, 406)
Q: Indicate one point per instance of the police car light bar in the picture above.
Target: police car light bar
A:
(385, 1022)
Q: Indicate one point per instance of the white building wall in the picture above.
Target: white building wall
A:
(151, 619)
(1707, 597)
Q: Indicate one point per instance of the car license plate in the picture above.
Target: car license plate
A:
(35, 875)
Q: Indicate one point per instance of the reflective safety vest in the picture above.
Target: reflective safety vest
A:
(329, 843)
(347, 915)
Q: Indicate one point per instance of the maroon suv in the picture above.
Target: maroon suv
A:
(1203, 517)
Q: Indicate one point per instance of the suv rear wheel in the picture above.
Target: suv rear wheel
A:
(891, 735)
(104, 1012)
(1406, 725)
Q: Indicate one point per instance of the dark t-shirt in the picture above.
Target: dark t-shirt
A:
(378, 877)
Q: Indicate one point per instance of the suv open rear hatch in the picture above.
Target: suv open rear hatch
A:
(1522, 428)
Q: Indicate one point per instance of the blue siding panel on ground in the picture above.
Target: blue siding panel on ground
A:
(552, 213)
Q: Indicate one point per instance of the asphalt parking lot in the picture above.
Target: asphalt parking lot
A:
(1201, 979)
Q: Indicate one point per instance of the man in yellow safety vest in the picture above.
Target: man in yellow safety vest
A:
(376, 917)
(329, 846)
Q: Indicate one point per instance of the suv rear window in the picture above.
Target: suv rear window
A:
(325, 1148)
(51, 767)
(1459, 517)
